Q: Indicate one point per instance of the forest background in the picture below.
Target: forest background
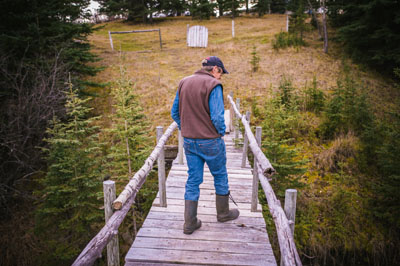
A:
(330, 120)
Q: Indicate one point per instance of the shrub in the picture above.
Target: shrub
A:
(284, 40)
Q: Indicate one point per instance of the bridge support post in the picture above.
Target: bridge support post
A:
(237, 120)
(290, 210)
(180, 147)
(161, 172)
(254, 192)
(245, 142)
(112, 246)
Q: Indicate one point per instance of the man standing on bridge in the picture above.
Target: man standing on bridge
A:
(198, 109)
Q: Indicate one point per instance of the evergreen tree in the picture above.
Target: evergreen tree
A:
(297, 22)
(69, 206)
(278, 6)
(284, 157)
(129, 132)
(262, 7)
(40, 43)
(201, 9)
(347, 110)
(369, 30)
(232, 6)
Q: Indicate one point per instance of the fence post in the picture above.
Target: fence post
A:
(161, 172)
(159, 34)
(111, 41)
(233, 29)
(112, 246)
(254, 192)
(180, 147)
(246, 143)
(231, 113)
(237, 119)
(290, 210)
(290, 207)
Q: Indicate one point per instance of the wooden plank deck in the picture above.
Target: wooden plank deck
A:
(243, 241)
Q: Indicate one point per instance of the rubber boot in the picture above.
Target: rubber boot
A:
(223, 212)
(191, 221)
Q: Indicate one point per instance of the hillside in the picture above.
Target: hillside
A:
(327, 161)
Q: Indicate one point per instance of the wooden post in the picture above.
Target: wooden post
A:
(112, 246)
(161, 171)
(232, 114)
(111, 41)
(246, 143)
(159, 34)
(290, 207)
(180, 147)
(233, 29)
(254, 192)
(287, 23)
(237, 119)
(290, 211)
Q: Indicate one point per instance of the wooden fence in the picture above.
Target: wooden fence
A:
(132, 31)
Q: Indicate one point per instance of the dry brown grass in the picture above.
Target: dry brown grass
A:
(157, 73)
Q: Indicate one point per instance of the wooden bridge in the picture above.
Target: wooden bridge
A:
(161, 241)
(243, 241)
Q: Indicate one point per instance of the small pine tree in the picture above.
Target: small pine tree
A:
(286, 95)
(69, 207)
(347, 110)
(255, 60)
(276, 145)
(129, 132)
(314, 98)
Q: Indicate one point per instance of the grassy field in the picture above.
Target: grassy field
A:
(156, 72)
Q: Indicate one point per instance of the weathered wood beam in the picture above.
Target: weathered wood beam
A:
(94, 248)
(266, 166)
(140, 176)
(287, 246)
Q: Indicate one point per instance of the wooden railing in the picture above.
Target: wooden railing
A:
(263, 169)
(121, 205)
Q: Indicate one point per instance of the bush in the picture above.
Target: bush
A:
(314, 98)
(284, 40)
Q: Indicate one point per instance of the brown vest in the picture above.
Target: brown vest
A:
(194, 112)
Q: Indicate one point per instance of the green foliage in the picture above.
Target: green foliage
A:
(286, 95)
(201, 9)
(297, 24)
(69, 205)
(369, 30)
(348, 109)
(278, 6)
(314, 98)
(129, 132)
(40, 43)
(387, 202)
(284, 39)
(262, 7)
(280, 120)
(255, 60)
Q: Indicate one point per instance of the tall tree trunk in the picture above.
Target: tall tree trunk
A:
(313, 13)
(325, 28)
(247, 6)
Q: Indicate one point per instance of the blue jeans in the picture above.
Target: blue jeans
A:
(211, 151)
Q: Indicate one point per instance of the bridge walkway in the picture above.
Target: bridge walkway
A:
(244, 241)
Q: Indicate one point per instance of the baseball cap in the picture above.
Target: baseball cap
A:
(214, 61)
